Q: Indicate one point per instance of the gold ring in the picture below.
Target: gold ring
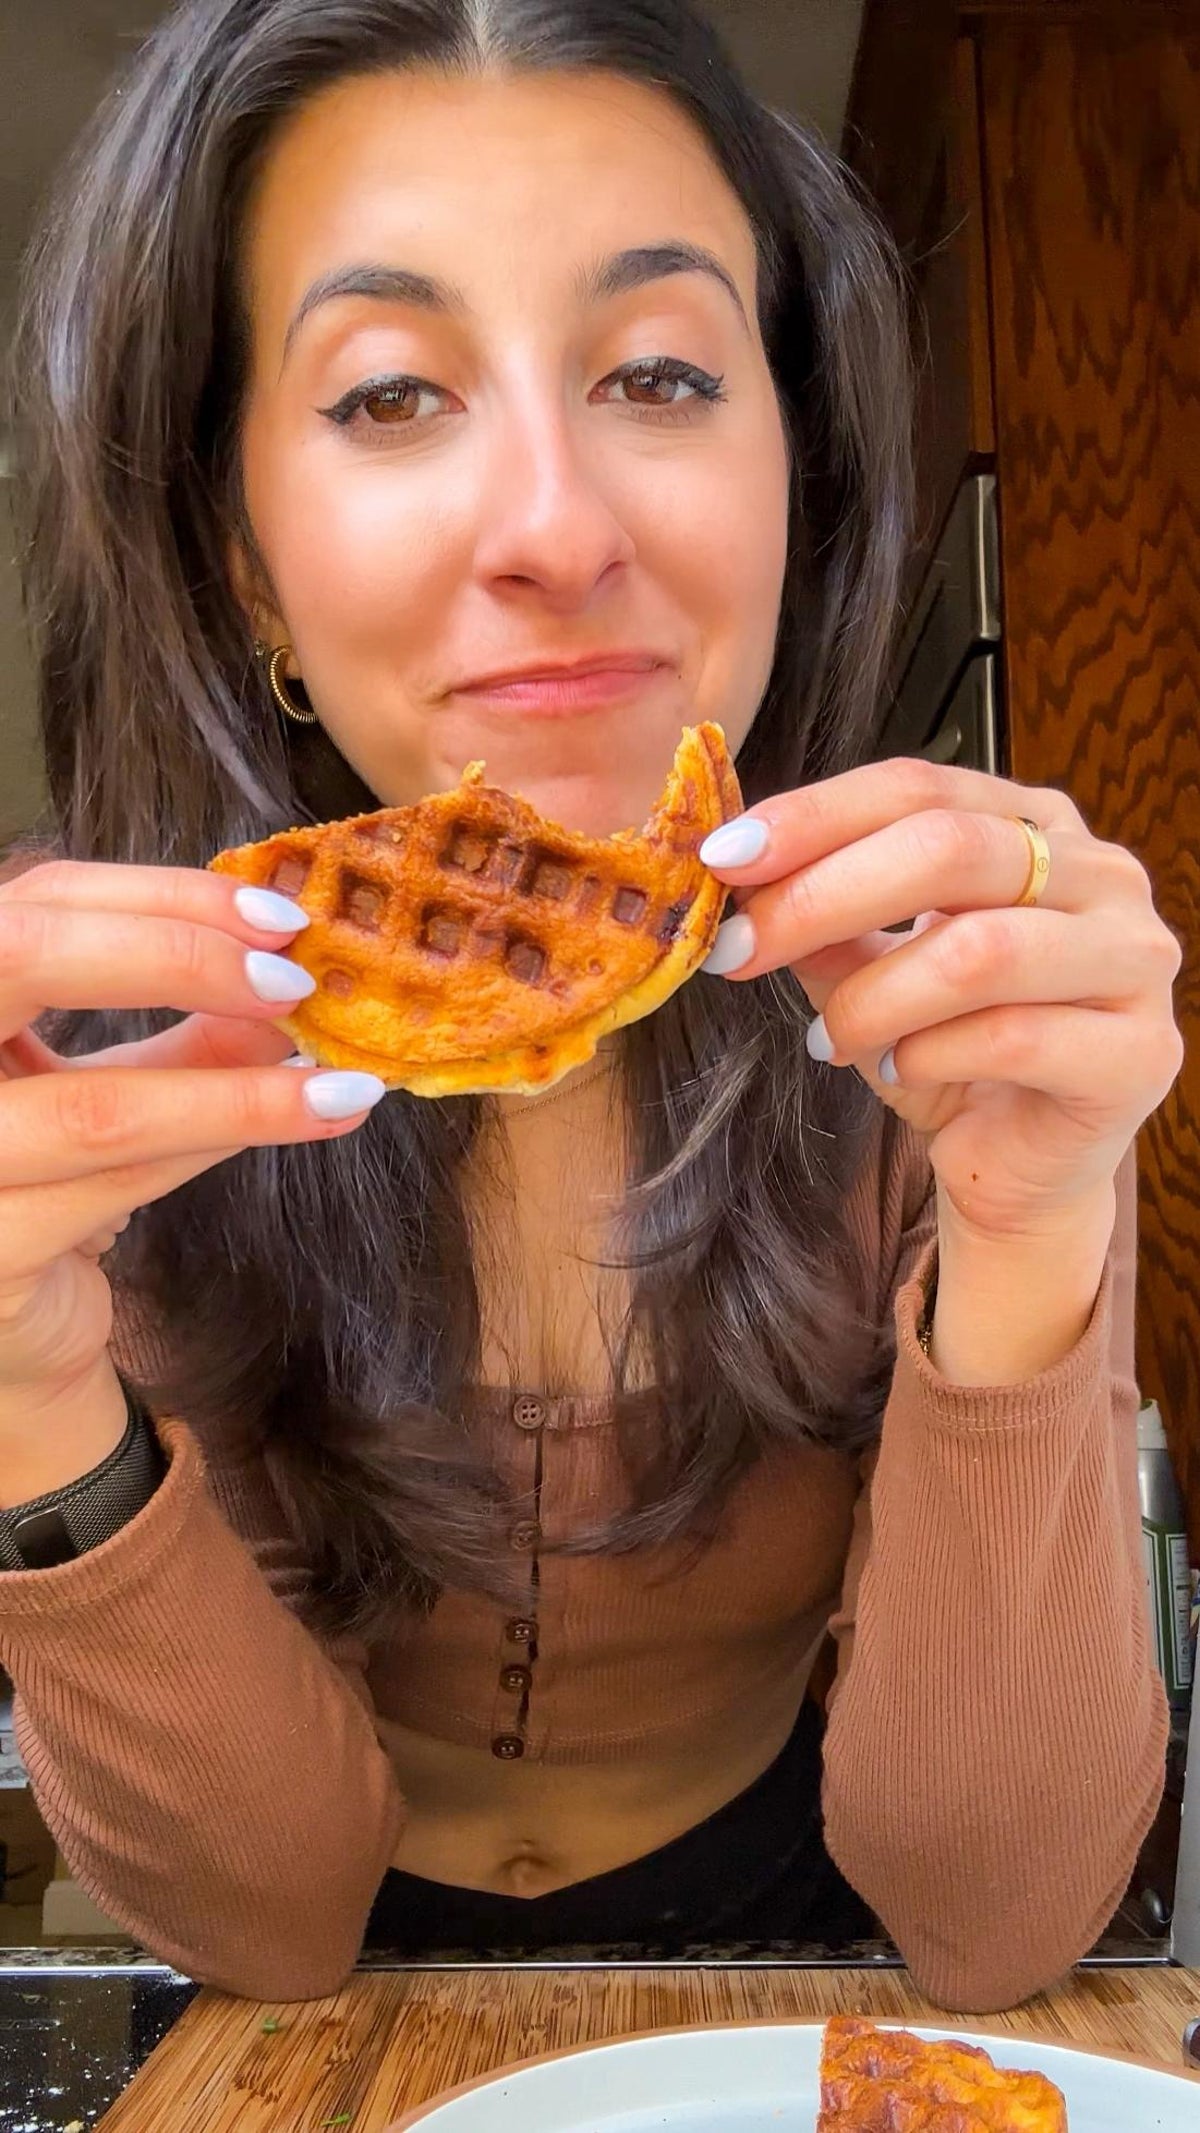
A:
(1039, 865)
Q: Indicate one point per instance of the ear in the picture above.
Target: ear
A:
(252, 593)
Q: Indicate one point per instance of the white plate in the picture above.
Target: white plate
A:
(762, 2078)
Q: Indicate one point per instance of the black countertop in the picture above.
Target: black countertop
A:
(76, 2025)
(72, 2039)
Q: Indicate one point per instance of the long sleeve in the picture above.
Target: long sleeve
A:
(210, 1771)
(996, 1744)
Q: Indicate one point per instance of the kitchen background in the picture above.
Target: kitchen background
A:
(1039, 164)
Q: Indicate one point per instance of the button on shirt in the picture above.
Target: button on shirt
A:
(667, 1641)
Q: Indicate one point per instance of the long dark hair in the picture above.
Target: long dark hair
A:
(318, 1300)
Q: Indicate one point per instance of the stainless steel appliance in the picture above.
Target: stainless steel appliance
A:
(945, 694)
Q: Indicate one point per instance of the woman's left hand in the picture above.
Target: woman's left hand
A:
(1026, 1044)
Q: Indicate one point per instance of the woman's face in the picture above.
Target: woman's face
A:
(509, 414)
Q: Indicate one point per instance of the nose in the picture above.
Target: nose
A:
(545, 521)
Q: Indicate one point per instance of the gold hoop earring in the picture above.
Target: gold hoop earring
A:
(277, 681)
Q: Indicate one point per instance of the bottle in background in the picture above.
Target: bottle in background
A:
(1165, 1555)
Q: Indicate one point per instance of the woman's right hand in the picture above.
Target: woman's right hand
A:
(85, 1141)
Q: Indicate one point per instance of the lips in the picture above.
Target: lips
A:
(563, 670)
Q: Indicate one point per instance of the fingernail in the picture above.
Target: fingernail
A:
(818, 1040)
(269, 912)
(887, 1066)
(736, 843)
(272, 977)
(341, 1095)
(733, 947)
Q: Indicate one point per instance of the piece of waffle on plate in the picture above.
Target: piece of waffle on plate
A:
(886, 2081)
(466, 943)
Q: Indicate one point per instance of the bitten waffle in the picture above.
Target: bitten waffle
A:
(468, 944)
(887, 2081)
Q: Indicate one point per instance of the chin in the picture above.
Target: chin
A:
(595, 807)
(596, 783)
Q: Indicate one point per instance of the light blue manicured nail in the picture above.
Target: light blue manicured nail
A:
(887, 1066)
(819, 1042)
(341, 1095)
(272, 977)
(735, 844)
(269, 912)
(734, 946)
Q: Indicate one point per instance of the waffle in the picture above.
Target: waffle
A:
(468, 944)
(887, 2081)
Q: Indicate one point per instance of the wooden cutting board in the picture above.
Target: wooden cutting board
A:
(357, 2062)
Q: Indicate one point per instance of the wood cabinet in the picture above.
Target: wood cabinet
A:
(1040, 167)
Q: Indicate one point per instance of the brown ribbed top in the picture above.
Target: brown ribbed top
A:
(219, 1780)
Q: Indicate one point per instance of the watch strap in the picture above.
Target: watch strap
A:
(70, 1521)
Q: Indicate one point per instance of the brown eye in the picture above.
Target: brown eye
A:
(661, 385)
(395, 403)
(650, 388)
(388, 403)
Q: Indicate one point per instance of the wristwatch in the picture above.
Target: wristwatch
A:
(70, 1521)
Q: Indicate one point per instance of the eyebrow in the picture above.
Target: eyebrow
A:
(631, 269)
(391, 285)
(644, 263)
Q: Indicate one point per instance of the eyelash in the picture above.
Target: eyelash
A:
(657, 369)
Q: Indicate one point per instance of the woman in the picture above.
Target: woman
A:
(526, 392)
